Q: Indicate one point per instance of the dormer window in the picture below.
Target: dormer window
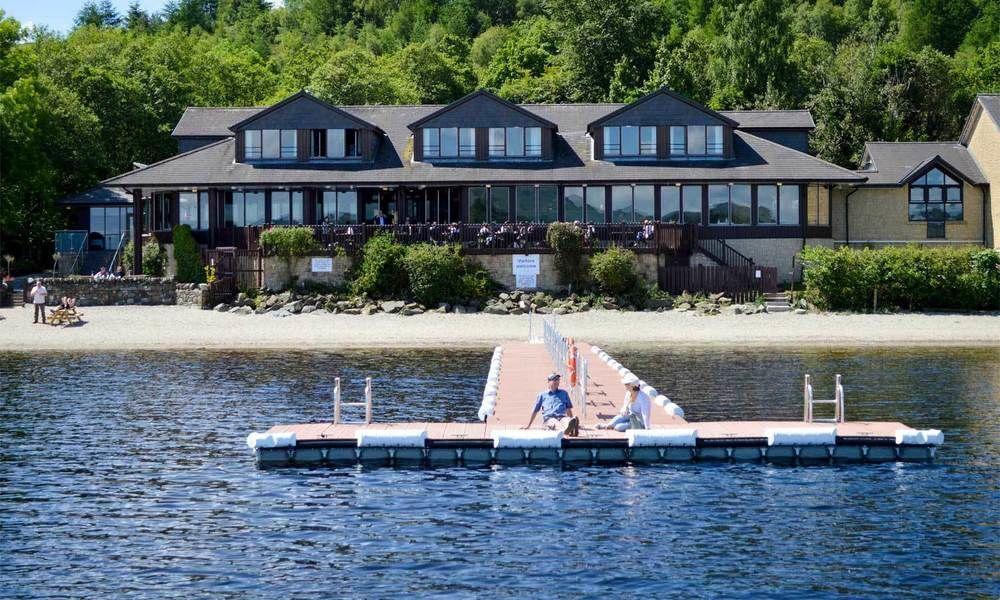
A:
(515, 142)
(449, 142)
(335, 143)
(696, 140)
(270, 144)
(629, 140)
(936, 197)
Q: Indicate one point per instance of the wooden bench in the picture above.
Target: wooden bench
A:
(64, 316)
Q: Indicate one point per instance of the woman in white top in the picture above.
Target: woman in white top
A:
(635, 410)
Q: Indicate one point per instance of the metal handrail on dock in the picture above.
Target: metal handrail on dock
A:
(560, 350)
(809, 402)
(338, 404)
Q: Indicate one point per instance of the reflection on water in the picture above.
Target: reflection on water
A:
(127, 474)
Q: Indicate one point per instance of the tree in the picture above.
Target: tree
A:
(356, 76)
(189, 14)
(137, 19)
(941, 24)
(98, 14)
(437, 76)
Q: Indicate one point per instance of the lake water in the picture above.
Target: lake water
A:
(127, 475)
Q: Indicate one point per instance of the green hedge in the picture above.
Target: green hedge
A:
(615, 271)
(288, 241)
(381, 272)
(154, 259)
(902, 277)
(566, 241)
(187, 256)
(434, 273)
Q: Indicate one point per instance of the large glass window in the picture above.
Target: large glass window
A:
(621, 204)
(739, 204)
(317, 147)
(767, 205)
(107, 225)
(718, 205)
(678, 144)
(647, 141)
(467, 142)
(515, 141)
(498, 141)
(936, 196)
(251, 144)
(573, 203)
(499, 204)
(630, 140)
(449, 142)
(187, 208)
(595, 204)
(524, 206)
(202, 210)
(289, 143)
(691, 195)
(817, 207)
(548, 203)
(612, 141)
(788, 208)
(714, 145)
(432, 142)
(286, 207)
(729, 204)
(532, 141)
(477, 205)
(271, 146)
(339, 206)
(248, 208)
(335, 143)
(352, 143)
(670, 204)
(643, 204)
(696, 140)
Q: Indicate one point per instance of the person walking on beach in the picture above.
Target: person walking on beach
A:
(38, 294)
(636, 408)
(556, 409)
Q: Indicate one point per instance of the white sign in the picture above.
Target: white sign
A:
(322, 264)
(525, 281)
(756, 274)
(526, 264)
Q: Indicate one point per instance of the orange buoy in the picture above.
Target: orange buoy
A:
(571, 364)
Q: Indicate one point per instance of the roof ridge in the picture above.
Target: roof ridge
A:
(918, 142)
(743, 132)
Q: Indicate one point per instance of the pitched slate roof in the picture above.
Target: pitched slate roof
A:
(484, 94)
(201, 121)
(755, 159)
(98, 195)
(772, 119)
(892, 162)
(651, 96)
(985, 103)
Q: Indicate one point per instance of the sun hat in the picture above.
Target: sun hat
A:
(553, 377)
(630, 379)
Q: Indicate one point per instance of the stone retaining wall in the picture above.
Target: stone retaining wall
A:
(501, 268)
(193, 294)
(279, 273)
(131, 290)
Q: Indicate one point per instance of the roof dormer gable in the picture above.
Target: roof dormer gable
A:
(482, 109)
(302, 111)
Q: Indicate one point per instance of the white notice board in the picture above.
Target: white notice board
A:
(322, 264)
(526, 268)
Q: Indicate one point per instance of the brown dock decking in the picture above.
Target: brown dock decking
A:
(523, 375)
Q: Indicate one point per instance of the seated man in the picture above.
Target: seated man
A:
(556, 409)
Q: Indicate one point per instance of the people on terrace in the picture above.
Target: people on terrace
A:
(556, 409)
(635, 411)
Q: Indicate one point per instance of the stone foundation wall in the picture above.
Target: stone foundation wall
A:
(277, 274)
(779, 253)
(131, 290)
(193, 294)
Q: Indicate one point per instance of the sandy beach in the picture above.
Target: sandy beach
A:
(176, 328)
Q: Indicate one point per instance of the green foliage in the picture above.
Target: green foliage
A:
(909, 277)
(614, 271)
(187, 256)
(381, 273)
(288, 241)
(154, 259)
(566, 241)
(434, 273)
(476, 284)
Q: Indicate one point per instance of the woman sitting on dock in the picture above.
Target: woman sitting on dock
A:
(635, 408)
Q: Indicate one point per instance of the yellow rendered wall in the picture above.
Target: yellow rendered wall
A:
(984, 144)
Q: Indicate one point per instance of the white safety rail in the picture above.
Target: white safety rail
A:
(338, 404)
(658, 399)
(560, 351)
(809, 402)
(489, 404)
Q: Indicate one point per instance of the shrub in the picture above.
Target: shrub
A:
(153, 258)
(566, 241)
(615, 271)
(908, 277)
(381, 273)
(434, 273)
(477, 285)
(187, 256)
(288, 241)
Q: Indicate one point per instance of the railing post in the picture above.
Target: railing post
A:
(807, 401)
(336, 400)
(368, 400)
(840, 401)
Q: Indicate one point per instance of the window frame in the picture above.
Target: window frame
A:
(253, 151)
(923, 185)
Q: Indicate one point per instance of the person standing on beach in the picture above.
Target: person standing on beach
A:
(38, 294)
(556, 409)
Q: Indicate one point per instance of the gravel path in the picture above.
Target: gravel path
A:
(170, 327)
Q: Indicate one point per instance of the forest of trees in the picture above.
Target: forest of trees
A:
(79, 107)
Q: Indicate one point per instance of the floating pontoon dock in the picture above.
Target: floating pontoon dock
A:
(517, 373)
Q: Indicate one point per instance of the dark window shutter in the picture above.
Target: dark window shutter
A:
(663, 141)
(303, 139)
(482, 143)
(548, 141)
(239, 146)
(598, 135)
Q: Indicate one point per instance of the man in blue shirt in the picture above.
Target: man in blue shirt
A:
(556, 409)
